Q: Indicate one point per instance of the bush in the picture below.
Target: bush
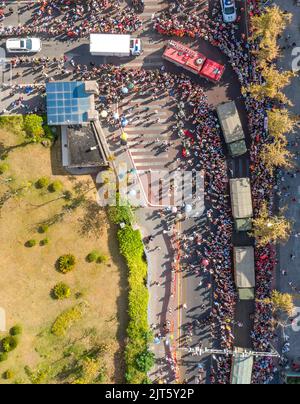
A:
(16, 330)
(43, 228)
(61, 291)
(66, 263)
(31, 243)
(9, 343)
(93, 256)
(33, 126)
(3, 356)
(121, 213)
(66, 319)
(42, 182)
(44, 242)
(145, 361)
(8, 374)
(56, 186)
(131, 247)
(102, 259)
(3, 168)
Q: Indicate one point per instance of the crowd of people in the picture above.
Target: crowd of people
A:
(65, 20)
(238, 49)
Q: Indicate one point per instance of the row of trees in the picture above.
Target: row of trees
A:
(267, 27)
(274, 154)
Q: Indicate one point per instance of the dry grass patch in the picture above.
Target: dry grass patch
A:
(27, 275)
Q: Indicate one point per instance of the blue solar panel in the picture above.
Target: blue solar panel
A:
(67, 103)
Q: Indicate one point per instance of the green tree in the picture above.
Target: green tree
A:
(274, 82)
(9, 343)
(282, 302)
(280, 122)
(145, 361)
(66, 263)
(33, 126)
(276, 155)
(61, 291)
(268, 228)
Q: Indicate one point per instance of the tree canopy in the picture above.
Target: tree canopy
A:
(267, 228)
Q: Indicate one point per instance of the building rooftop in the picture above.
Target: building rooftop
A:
(81, 148)
(71, 103)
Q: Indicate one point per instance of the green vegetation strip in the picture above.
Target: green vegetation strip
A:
(138, 359)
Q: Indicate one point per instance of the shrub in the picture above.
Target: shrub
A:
(121, 213)
(56, 186)
(33, 126)
(3, 356)
(9, 343)
(3, 168)
(43, 228)
(31, 243)
(8, 374)
(66, 319)
(131, 247)
(93, 256)
(16, 330)
(66, 263)
(44, 242)
(42, 182)
(102, 259)
(145, 361)
(61, 291)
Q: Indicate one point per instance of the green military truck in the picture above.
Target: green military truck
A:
(244, 272)
(241, 203)
(232, 128)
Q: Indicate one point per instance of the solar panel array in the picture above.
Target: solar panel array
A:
(67, 103)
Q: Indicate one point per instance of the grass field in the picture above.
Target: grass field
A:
(92, 349)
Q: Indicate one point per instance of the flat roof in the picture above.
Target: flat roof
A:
(68, 103)
(242, 366)
(106, 43)
(241, 199)
(244, 267)
(80, 141)
(230, 122)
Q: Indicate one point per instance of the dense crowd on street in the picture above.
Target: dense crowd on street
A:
(201, 148)
(64, 20)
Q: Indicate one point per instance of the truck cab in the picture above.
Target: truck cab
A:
(135, 47)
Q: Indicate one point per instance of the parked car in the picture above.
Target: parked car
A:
(228, 10)
(23, 45)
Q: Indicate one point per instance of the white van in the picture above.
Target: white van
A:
(23, 45)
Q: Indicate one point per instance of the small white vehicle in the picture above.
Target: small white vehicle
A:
(23, 45)
(228, 10)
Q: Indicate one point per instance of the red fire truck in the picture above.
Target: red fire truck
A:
(193, 61)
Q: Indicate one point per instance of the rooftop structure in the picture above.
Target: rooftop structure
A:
(71, 103)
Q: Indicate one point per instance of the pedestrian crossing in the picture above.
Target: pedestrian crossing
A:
(146, 138)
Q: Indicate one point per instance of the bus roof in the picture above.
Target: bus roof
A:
(212, 70)
(241, 200)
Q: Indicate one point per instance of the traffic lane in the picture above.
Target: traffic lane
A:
(199, 304)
